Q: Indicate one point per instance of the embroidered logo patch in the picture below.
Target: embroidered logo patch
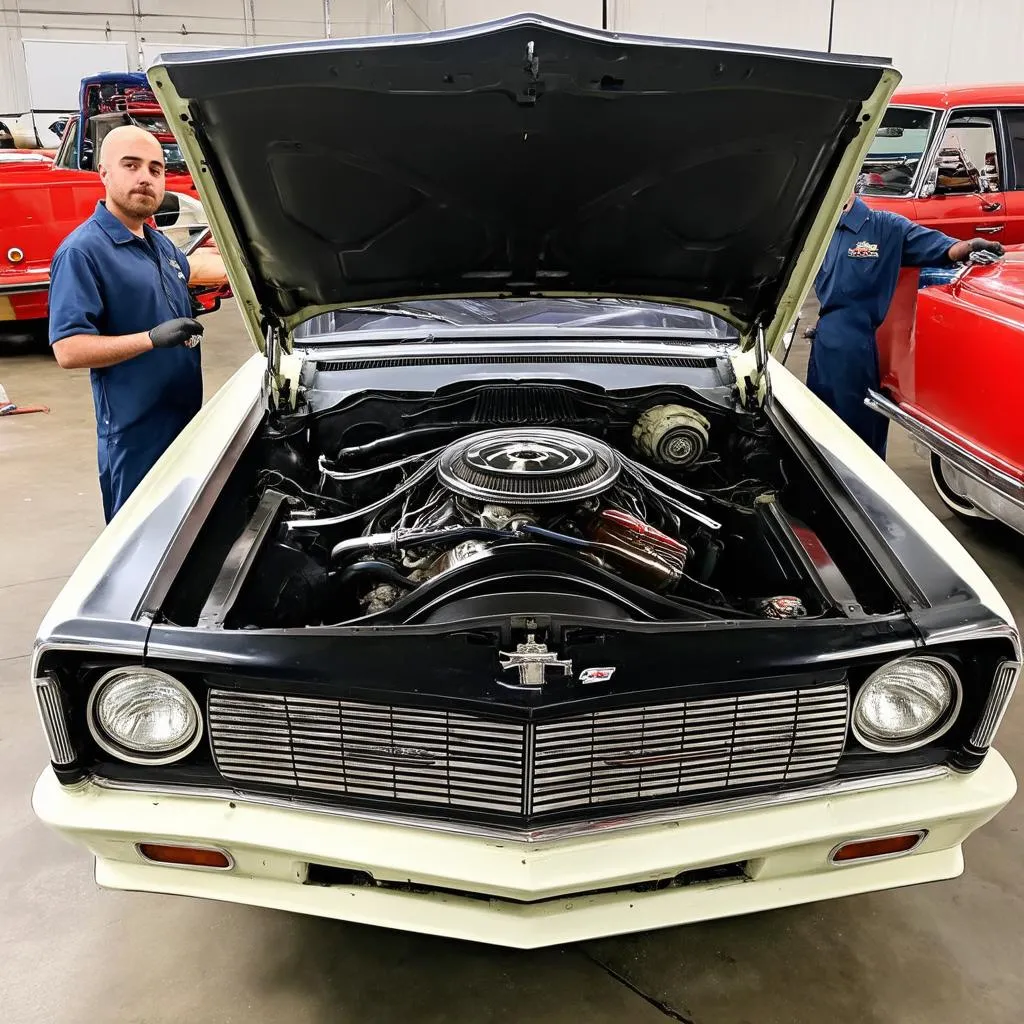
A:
(864, 251)
(177, 266)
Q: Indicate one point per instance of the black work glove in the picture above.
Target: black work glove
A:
(985, 245)
(183, 331)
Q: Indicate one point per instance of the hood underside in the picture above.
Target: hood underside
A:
(520, 158)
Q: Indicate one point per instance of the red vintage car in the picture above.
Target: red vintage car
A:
(947, 352)
(952, 159)
(44, 197)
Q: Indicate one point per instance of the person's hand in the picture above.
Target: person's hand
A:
(183, 331)
(987, 246)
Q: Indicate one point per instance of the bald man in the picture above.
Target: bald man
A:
(120, 307)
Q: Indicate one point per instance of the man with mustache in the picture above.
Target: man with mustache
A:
(120, 307)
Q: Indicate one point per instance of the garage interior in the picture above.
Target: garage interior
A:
(71, 953)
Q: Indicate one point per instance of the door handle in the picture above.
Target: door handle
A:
(981, 229)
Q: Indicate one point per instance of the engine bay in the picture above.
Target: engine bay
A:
(496, 498)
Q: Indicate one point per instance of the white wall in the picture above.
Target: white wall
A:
(930, 40)
(800, 24)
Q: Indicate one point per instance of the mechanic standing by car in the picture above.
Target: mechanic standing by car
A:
(855, 287)
(120, 306)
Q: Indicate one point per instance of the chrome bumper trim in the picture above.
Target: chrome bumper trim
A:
(597, 826)
(25, 289)
(959, 456)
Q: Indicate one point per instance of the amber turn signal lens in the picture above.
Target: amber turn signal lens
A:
(867, 849)
(191, 856)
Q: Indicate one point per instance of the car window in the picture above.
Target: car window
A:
(67, 155)
(896, 152)
(549, 312)
(1015, 133)
(968, 155)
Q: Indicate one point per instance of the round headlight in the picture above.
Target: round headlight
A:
(144, 716)
(906, 704)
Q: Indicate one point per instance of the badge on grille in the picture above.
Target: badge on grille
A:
(532, 660)
(596, 675)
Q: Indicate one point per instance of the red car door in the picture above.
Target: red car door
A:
(967, 197)
(1013, 133)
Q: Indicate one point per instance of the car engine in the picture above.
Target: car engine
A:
(496, 499)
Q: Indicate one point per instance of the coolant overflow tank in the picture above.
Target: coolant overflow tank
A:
(672, 435)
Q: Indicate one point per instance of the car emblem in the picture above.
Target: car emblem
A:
(596, 675)
(532, 660)
(391, 754)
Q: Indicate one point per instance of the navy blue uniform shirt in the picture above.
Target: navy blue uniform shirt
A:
(104, 280)
(858, 278)
(855, 287)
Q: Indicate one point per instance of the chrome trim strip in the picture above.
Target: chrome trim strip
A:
(964, 460)
(889, 647)
(122, 648)
(553, 833)
(996, 705)
(25, 289)
(53, 716)
(956, 634)
(921, 834)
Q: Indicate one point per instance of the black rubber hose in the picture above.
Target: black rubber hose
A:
(384, 570)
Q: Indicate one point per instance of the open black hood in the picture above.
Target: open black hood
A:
(521, 157)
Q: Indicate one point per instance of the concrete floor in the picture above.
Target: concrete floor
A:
(71, 953)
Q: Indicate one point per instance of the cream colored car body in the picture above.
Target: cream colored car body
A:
(559, 885)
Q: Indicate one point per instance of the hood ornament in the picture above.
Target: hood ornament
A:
(533, 660)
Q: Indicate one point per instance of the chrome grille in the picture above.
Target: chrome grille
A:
(689, 747)
(368, 750)
(466, 761)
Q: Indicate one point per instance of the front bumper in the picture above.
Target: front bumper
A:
(523, 894)
(29, 299)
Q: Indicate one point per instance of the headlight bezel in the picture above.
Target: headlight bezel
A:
(111, 746)
(944, 723)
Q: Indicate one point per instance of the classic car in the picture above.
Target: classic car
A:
(513, 592)
(46, 200)
(937, 351)
(952, 159)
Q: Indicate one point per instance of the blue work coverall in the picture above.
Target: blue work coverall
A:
(105, 280)
(855, 287)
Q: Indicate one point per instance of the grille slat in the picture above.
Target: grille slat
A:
(471, 762)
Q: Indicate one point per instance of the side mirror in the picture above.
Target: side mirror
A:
(931, 183)
(85, 162)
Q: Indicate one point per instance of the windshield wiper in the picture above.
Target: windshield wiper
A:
(415, 314)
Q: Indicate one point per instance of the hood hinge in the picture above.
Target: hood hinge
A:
(276, 382)
(757, 385)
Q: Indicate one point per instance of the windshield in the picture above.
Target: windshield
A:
(614, 313)
(896, 152)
